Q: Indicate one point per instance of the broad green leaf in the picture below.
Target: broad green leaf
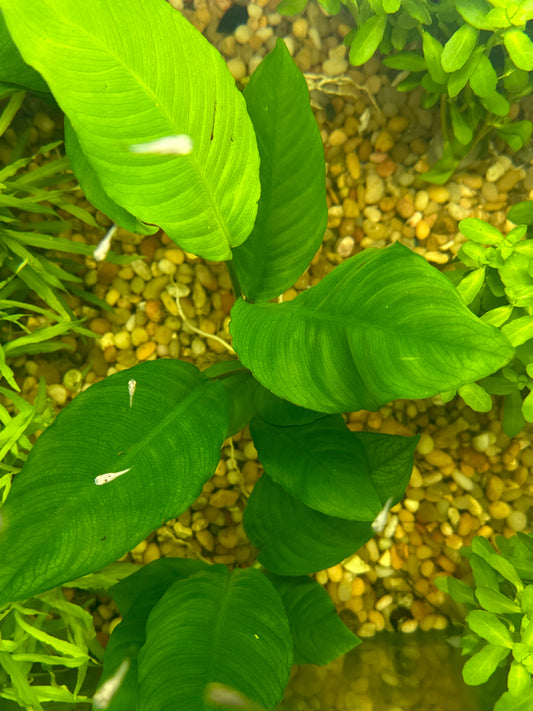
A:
(332, 7)
(508, 702)
(432, 49)
(484, 78)
(367, 39)
(136, 596)
(291, 7)
(93, 190)
(458, 79)
(470, 286)
(241, 389)
(484, 575)
(322, 464)
(474, 12)
(406, 61)
(458, 48)
(418, 11)
(319, 634)
(391, 6)
(145, 87)
(57, 524)
(461, 130)
(457, 589)
(498, 18)
(276, 411)
(518, 679)
(494, 601)
(520, 330)
(13, 69)
(215, 626)
(513, 419)
(476, 397)
(482, 665)
(505, 568)
(516, 134)
(496, 104)
(292, 212)
(480, 231)
(382, 325)
(294, 539)
(520, 48)
(527, 407)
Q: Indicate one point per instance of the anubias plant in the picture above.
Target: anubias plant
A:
(500, 616)
(495, 279)
(245, 185)
(472, 57)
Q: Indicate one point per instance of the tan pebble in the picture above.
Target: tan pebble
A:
(438, 193)
(228, 537)
(139, 335)
(425, 444)
(427, 567)
(344, 591)
(334, 66)
(397, 560)
(384, 602)
(145, 350)
(58, 393)
(445, 563)
(423, 552)
(397, 124)
(122, 340)
(517, 520)
(384, 142)
(175, 256)
(375, 189)
(499, 510)
(377, 619)
(408, 627)
(335, 573)
(154, 310)
(462, 480)
(337, 137)
(353, 166)
(300, 27)
(465, 524)
(112, 296)
(153, 288)
(237, 68)
(405, 207)
(439, 458)
(151, 553)
(494, 488)
(367, 629)
(440, 622)
(100, 325)
(224, 498)
(422, 230)
(386, 168)
(322, 577)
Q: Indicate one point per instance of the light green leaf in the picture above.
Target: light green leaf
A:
(292, 213)
(458, 79)
(432, 49)
(516, 134)
(291, 7)
(527, 407)
(178, 84)
(520, 48)
(480, 231)
(496, 602)
(476, 397)
(332, 7)
(519, 331)
(469, 287)
(518, 679)
(461, 130)
(507, 702)
(474, 12)
(57, 524)
(322, 464)
(489, 627)
(457, 589)
(482, 665)
(319, 634)
(458, 48)
(367, 39)
(484, 575)
(484, 78)
(387, 325)
(215, 626)
(496, 104)
(391, 6)
(406, 61)
(13, 69)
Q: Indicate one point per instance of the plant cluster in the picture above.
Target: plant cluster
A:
(472, 57)
(500, 616)
(496, 281)
(240, 179)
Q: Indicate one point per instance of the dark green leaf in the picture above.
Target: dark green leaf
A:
(241, 389)
(484, 575)
(387, 324)
(292, 211)
(513, 419)
(367, 39)
(57, 524)
(277, 411)
(322, 464)
(458, 48)
(215, 626)
(520, 48)
(13, 69)
(319, 634)
(482, 665)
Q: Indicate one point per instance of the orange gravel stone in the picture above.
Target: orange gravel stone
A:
(145, 350)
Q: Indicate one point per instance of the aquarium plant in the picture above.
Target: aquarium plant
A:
(471, 57)
(494, 276)
(159, 136)
(500, 616)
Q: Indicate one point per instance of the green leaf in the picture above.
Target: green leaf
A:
(484, 79)
(294, 539)
(474, 12)
(519, 331)
(322, 464)
(13, 69)
(387, 324)
(521, 213)
(457, 589)
(470, 286)
(484, 574)
(520, 48)
(518, 679)
(92, 187)
(391, 6)
(480, 231)
(432, 49)
(482, 665)
(507, 702)
(458, 48)
(418, 11)
(476, 397)
(332, 7)
(513, 419)
(494, 601)
(527, 407)
(204, 200)
(215, 626)
(367, 39)
(406, 61)
(461, 130)
(319, 634)
(291, 7)
(496, 104)
(57, 524)
(497, 317)
(458, 79)
(292, 213)
(516, 134)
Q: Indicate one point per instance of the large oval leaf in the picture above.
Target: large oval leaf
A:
(292, 213)
(383, 325)
(132, 71)
(215, 627)
(57, 524)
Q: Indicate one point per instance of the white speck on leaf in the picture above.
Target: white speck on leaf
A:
(109, 476)
(179, 145)
(132, 384)
(109, 688)
(381, 519)
(101, 250)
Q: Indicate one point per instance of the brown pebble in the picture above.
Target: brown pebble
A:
(100, 325)
(224, 498)
(405, 207)
(154, 310)
(386, 168)
(107, 272)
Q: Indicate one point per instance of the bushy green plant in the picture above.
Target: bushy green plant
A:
(500, 616)
(238, 179)
(472, 57)
(496, 281)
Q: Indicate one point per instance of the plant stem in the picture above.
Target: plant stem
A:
(443, 125)
(234, 278)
